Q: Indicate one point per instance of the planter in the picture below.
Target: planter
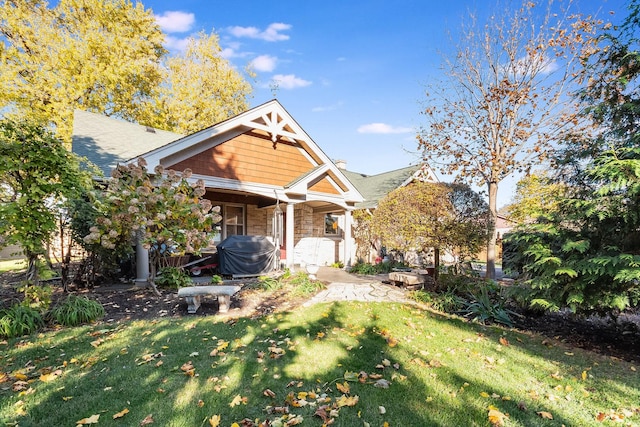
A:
(312, 269)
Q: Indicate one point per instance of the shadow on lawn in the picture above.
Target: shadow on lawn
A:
(183, 371)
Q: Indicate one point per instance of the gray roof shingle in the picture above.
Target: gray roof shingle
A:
(106, 141)
(375, 187)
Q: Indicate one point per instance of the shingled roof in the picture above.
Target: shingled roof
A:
(106, 142)
(375, 187)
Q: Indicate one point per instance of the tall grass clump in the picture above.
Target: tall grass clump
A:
(20, 319)
(75, 310)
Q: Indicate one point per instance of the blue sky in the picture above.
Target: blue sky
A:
(352, 73)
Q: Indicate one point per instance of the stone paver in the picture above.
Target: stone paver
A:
(346, 287)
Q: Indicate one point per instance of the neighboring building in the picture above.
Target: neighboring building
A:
(254, 165)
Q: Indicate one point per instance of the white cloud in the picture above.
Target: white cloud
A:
(383, 128)
(175, 21)
(322, 109)
(264, 63)
(271, 34)
(176, 43)
(289, 81)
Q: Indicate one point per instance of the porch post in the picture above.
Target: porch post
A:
(289, 240)
(348, 247)
(142, 261)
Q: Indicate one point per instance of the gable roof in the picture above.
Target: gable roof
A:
(268, 127)
(106, 141)
(375, 187)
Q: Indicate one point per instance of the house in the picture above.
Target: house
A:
(260, 167)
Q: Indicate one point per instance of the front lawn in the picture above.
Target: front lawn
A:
(357, 364)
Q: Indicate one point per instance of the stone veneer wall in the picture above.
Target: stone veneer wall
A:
(257, 224)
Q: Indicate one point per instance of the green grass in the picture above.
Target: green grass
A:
(13, 265)
(442, 372)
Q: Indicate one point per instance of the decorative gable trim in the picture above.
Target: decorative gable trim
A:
(272, 120)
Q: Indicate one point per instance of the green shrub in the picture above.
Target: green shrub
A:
(269, 283)
(338, 264)
(216, 279)
(18, 320)
(37, 296)
(446, 302)
(372, 269)
(173, 278)
(298, 283)
(303, 285)
(75, 310)
(487, 305)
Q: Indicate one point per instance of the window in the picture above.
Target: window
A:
(331, 227)
(233, 220)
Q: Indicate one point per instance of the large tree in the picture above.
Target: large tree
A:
(504, 104)
(587, 255)
(537, 195)
(200, 88)
(37, 174)
(107, 56)
(98, 55)
(422, 216)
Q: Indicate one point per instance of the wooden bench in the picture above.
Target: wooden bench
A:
(192, 294)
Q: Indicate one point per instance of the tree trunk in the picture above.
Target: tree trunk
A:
(491, 245)
(436, 262)
(32, 268)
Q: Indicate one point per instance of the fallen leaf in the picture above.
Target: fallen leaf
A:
(347, 401)
(188, 369)
(50, 376)
(269, 393)
(343, 388)
(545, 415)
(496, 418)
(504, 341)
(382, 410)
(238, 400)
(584, 375)
(214, 421)
(147, 420)
(121, 414)
(382, 383)
(200, 403)
(93, 419)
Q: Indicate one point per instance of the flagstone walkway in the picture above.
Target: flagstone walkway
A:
(348, 287)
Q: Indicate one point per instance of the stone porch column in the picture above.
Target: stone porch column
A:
(348, 246)
(142, 262)
(290, 235)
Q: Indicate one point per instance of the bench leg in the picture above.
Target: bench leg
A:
(193, 303)
(224, 301)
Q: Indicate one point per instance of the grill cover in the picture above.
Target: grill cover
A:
(246, 255)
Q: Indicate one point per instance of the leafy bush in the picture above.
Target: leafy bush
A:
(270, 283)
(373, 269)
(487, 305)
(303, 285)
(75, 310)
(37, 296)
(338, 264)
(446, 302)
(20, 319)
(298, 284)
(173, 278)
(216, 279)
